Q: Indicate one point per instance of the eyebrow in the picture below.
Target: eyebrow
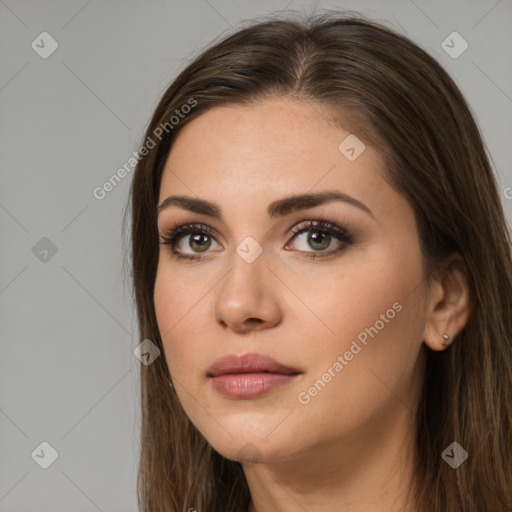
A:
(276, 209)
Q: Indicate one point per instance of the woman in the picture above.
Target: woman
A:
(320, 253)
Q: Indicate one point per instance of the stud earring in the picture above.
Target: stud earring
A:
(446, 341)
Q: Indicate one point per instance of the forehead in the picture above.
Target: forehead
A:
(280, 143)
(270, 124)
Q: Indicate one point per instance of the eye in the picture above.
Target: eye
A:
(199, 238)
(200, 241)
(319, 235)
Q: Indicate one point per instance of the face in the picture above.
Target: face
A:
(331, 288)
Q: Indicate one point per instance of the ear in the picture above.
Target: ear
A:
(449, 305)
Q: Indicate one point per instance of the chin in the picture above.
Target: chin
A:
(248, 438)
(249, 451)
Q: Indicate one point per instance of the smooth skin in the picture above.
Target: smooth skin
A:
(351, 447)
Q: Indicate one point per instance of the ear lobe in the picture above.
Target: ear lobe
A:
(449, 306)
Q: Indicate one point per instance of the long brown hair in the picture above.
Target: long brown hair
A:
(401, 98)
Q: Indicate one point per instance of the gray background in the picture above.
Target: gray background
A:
(68, 375)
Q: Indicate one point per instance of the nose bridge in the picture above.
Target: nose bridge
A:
(247, 291)
(248, 271)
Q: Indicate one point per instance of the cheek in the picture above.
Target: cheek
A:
(376, 311)
(181, 309)
(367, 288)
(377, 373)
(372, 311)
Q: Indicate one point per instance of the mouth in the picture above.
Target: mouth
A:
(249, 376)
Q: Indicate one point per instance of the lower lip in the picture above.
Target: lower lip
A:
(249, 385)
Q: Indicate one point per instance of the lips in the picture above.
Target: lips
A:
(248, 363)
(249, 376)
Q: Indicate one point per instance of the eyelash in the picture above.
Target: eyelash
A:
(171, 236)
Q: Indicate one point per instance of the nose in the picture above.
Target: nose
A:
(247, 298)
